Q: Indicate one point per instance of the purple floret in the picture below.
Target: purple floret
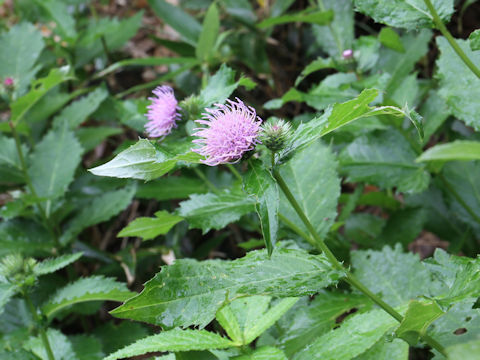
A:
(162, 113)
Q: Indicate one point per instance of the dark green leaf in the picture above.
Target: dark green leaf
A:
(115, 337)
(215, 211)
(7, 291)
(49, 266)
(86, 347)
(474, 40)
(149, 228)
(173, 340)
(91, 137)
(411, 14)
(190, 292)
(389, 38)
(317, 17)
(312, 178)
(172, 187)
(260, 183)
(92, 288)
(11, 168)
(209, 34)
(183, 23)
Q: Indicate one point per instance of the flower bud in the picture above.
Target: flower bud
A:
(275, 133)
(191, 108)
(347, 54)
(8, 82)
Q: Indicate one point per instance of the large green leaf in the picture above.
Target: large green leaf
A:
(77, 112)
(316, 17)
(215, 211)
(408, 14)
(355, 336)
(260, 183)
(173, 340)
(339, 34)
(39, 88)
(49, 266)
(100, 209)
(190, 292)
(182, 22)
(92, 288)
(209, 34)
(54, 161)
(58, 12)
(141, 161)
(312, 178)
(384, 159)
(456, 150)
(398, 277)
(21, 46)
(460, 88)
(149, 228)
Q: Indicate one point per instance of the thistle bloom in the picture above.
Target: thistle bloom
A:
(347, 54)
(162, 112)
(233, 129)
(8, 81)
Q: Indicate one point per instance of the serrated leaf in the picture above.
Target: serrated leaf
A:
(62, 349)
(407, 14)
(264, 353)
(260, 184)
(397, 276)
(474, 40)
(182, 22)
(53, 162)
(149, 228)
(384, 159)
(418, 317)
(39, 88)
(208, 35)
(25, 237)
(100, 209)
(215, 211)
(77, 112)
(455, 150)
(21, 47)
(7, 291)
(173, 340)
(220, 86)
(389, 38)
(190, 292)
(356, 335)
(49, 266)
(141, 161)
(316, 17)
(312, 178)
(459, 86)
(93, 288)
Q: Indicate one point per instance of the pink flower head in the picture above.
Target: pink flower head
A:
(162, 112)
(347, 54)
(8, 81)
(233, 129)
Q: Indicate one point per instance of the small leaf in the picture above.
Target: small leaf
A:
(39, 88)
(173, 340)
(183, 23)
(316, 17)
(54, 161)
(456, 150)
(190, 292)
(260, 183)
(93, 288)
(49, 266)
(390, 38)
(149, 228)
(417, 319)
(474, 40)
(264, 353)
(7, 291)
(209, 34)
(215, 211)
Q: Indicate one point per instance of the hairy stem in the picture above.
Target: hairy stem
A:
(41, 330)
(29, 183)
(350, 278)
(443, 29)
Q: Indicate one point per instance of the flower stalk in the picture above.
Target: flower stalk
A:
(41, 329)
(349, 277)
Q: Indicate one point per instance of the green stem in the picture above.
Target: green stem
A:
(235, 172)
(350, 278)
(41, 330)
(459, 198)
(443, 29)
(23, 165)
(209, 184)
(296, 229)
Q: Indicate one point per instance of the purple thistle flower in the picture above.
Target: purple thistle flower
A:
(233, 129)
(162, 113)
(8, 81)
